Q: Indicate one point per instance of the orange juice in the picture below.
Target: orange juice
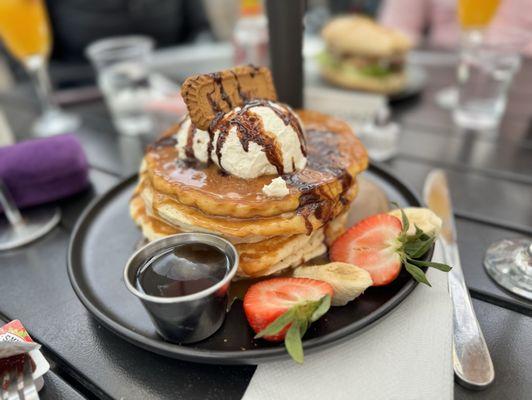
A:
(476, 13)
(24, 28)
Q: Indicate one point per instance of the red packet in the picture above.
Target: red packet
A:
(14, 343)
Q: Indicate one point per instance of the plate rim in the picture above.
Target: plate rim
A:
(249, 356)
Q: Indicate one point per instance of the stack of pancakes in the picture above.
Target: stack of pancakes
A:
(270, 234)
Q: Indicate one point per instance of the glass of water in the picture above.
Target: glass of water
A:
(484, 76)
(122, 67)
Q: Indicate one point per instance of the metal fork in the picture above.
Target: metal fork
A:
(20, 385)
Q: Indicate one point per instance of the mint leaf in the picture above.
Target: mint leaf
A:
(406, 223)
(300, 317)
(439, 266)
(423, 248)
(417, 273)
(293, 343)
(278, 324)
(322, 307)
(420, 234)
(412, 246)
(303, 326)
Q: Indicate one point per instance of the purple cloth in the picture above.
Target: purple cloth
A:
(43, 170)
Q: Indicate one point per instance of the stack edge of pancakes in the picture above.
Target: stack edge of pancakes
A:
(241, 165)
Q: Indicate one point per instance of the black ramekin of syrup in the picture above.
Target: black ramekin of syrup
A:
(182, 281)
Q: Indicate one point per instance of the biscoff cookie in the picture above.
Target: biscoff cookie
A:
(210, 94)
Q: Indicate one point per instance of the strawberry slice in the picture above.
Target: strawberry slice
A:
(374, 245)
(268, 300)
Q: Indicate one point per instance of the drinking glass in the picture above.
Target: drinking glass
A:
(25, 31)
(509, 263)
(121, 65)
(484, 77)
(473, 16)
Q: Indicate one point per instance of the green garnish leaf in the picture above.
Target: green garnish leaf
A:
(420, 234)
(279, 323)
(300, 316)
(417, 273)
(431, 264)
(293, 343)
(322, 307)
(414, 247)
(303, 326)
(423, 248)
(406, 223)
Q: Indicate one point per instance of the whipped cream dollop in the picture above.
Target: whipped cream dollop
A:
(192, 143)
(276, 188)
(260, 138)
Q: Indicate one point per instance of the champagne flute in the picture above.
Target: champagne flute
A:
(25, 31)
(509, 263)
(474, 16)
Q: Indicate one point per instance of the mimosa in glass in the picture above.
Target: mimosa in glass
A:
(475, 14)
(25, 31)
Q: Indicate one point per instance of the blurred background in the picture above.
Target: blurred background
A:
(177, 38)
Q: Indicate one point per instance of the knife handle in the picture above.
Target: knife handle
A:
(472, 363)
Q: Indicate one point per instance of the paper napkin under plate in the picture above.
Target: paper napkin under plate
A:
(404, 356)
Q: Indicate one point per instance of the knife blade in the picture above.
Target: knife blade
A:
(472, 363)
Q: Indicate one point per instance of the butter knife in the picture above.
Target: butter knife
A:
(472, 363)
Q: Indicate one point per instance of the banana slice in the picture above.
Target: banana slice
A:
(347, 280)
(424, 218)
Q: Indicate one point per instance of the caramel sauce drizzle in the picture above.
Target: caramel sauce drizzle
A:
(167, 141)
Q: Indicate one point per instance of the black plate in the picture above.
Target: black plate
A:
(105, 237)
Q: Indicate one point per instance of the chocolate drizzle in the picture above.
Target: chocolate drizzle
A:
(242, 95)
(212, 129)
(316, 199)
(215, 107)
(289, 118)
(254, 70)
(189, 147)
(218, 83)
(249, 129)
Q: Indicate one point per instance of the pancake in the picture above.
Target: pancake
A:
(335, 156)
(189, 218)
(270, 234)
(258, 258)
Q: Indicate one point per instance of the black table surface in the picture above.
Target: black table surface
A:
(491, 184)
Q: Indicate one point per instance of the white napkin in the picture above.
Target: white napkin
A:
(405, 356)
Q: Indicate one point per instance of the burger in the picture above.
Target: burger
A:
(361, 54)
